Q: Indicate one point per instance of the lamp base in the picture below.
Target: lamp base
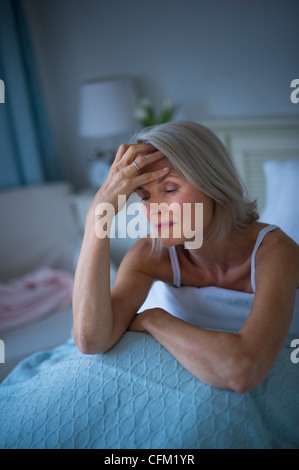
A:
(99, 163)
(98, 172)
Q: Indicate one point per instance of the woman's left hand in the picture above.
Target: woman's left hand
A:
(140, 320)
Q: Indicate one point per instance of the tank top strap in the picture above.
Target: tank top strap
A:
(258, 242)
(175, 266)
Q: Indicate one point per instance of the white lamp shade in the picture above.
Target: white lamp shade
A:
(107, 107)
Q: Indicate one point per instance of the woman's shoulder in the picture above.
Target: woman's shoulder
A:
(278, 251)
(277, 239)
(143, 246)
(154, 263)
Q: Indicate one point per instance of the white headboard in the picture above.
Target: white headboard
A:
(252, 141)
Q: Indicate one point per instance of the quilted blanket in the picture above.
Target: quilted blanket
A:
(138, 396)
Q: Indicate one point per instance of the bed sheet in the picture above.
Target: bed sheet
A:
(138, 396)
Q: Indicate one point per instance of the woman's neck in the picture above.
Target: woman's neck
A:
(230, 252)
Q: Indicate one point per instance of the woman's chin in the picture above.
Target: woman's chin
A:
(170, 241)
(169, 236)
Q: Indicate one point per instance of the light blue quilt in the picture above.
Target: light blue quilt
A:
(138, 396)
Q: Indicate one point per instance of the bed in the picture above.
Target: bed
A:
(40, 241)
(137, 396)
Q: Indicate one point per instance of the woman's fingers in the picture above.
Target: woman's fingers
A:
(142, 155)
(123, 177)
(120, 152)
(125, 155)
(145, 159)
(136, 150)
(150, 176)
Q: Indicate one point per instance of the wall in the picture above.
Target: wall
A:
(214, 57)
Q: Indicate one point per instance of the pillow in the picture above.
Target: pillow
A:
(37, 229)
(282, 195)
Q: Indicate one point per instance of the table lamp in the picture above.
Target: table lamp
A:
(106, 110)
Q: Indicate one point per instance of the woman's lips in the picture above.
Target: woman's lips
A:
(164, 225)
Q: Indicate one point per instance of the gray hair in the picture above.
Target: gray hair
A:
(200, 156)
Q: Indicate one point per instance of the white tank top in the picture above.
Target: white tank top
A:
(210, 307)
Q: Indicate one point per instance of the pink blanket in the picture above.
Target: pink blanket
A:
(34, 295)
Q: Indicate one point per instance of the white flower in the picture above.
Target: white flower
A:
(167, 105)
(140, 114)
(145, 103)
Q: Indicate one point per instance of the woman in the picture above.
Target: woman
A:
(179, 163)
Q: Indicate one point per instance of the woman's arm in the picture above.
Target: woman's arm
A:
(102, 316)
(213, 357)
(237, 361)
(92, 313)
(98, 323)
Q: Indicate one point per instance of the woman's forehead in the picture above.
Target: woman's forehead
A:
(163, 162)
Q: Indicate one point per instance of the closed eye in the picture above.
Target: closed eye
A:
(146, 198)
(145, 195)
(142, 197)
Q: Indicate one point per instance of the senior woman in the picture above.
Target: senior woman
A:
(175, 164)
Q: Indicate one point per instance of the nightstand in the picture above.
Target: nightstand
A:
(128, 226)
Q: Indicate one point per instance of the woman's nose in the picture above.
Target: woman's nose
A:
(157, 209)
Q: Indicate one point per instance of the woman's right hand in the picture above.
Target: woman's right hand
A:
(123, 177)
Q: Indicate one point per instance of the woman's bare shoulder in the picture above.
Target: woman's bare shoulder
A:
(142, 257)
(278, 240)
(278, 250)
(140, 250)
